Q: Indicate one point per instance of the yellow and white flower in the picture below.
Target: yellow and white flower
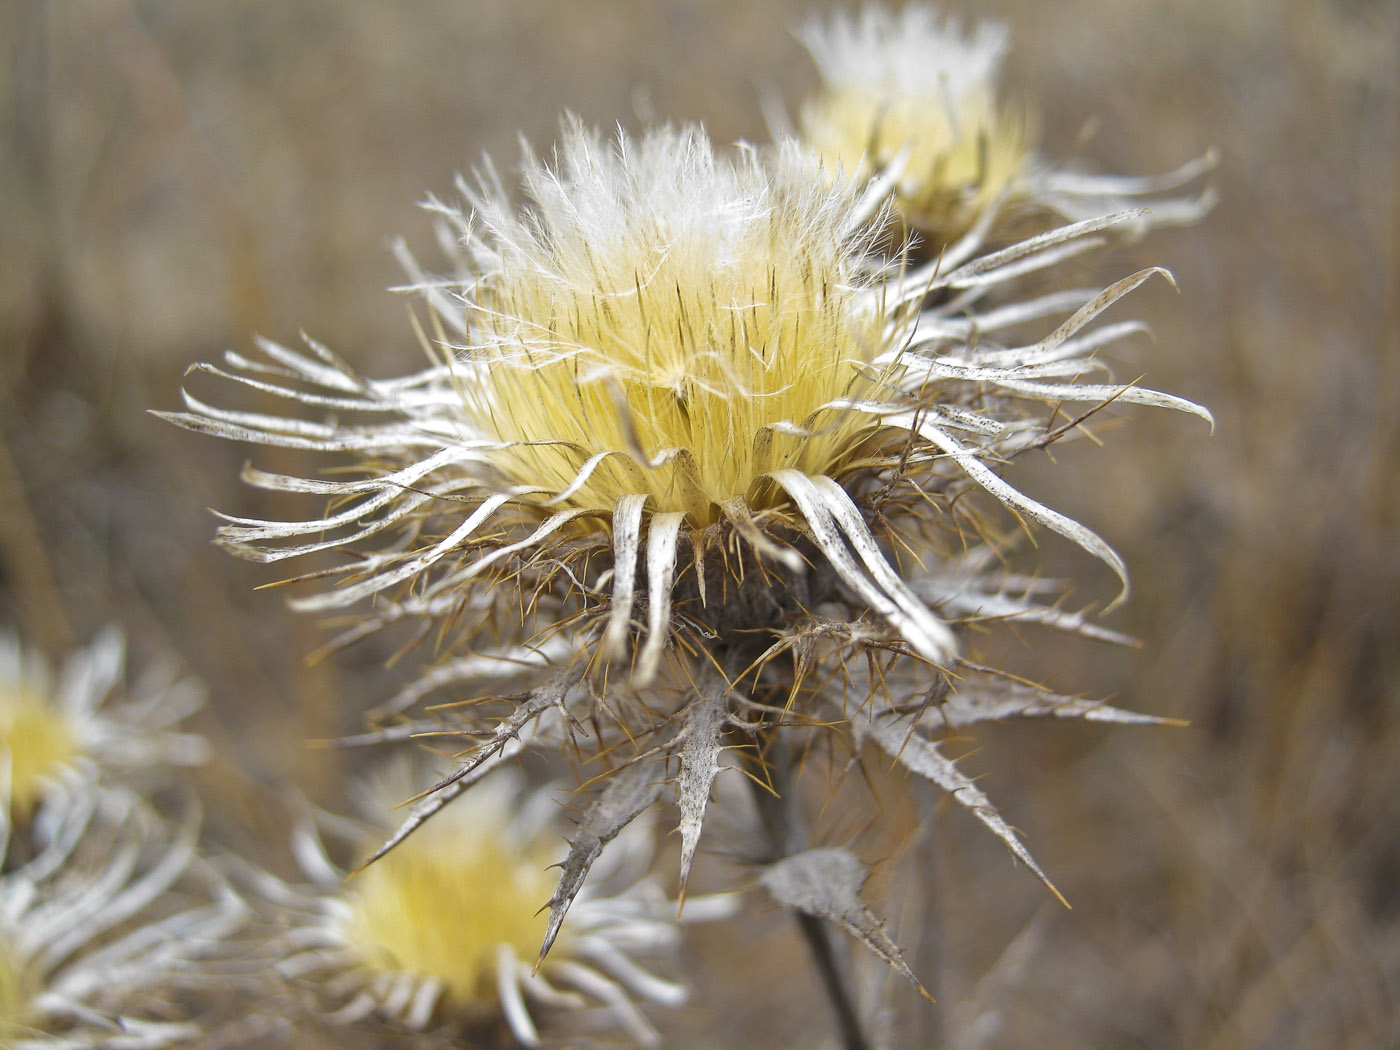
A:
(446, 929)
(59, 733)
(105, 914)
(911, 93)
(680, 425)
(912, 96)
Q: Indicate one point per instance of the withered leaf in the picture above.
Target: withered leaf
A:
(899, 738)
(630, 791)
(826, 883)
(699, 755)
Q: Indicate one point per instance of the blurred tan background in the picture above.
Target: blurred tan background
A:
(176, 177)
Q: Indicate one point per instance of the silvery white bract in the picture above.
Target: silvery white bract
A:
(61, 733)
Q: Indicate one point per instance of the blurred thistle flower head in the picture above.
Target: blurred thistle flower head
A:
(912, 98)
(105, 914)
(686, 442)
(57, 731)
(446, 929)
(914, 95)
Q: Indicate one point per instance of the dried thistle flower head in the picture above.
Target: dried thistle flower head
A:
(672, 350)
(105, 913)
(446, 929)
(665, 324)
(686, 444)
(911, 96)
(58, 731)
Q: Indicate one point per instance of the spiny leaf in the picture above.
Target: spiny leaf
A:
(630, 790)
(535, 703)
(699, 755)
(987, 702)
(826, 883)
(430, 803)
(898, 737)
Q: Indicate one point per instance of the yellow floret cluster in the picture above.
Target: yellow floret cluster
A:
(682, 346)
(445, 901)
(35, 741)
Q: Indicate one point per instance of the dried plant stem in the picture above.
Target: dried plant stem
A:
(781, 813)
(928, 946)
(824, 957)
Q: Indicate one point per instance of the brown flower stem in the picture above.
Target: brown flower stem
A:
(828, 967)
(781, 813)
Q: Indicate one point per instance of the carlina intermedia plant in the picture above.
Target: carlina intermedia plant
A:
(703, 467)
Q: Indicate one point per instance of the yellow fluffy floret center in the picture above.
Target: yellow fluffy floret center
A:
(441, 905)
(699, 363)
(960, 155)
(36, 740)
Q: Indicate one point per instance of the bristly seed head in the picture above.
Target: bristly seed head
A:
(446, 931)
(667, 363)
(60, 729)
(106, 915)
(689, 318)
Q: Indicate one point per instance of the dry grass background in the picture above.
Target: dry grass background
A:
(176, 177)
